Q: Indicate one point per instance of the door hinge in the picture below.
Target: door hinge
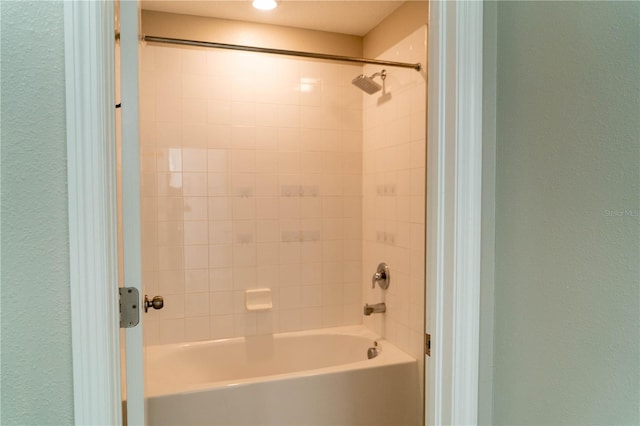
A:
(129, 307)
(427, 344)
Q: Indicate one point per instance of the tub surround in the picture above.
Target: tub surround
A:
(257, 182)
(249, 181)
(394, 158)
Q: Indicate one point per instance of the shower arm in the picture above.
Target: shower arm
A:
(382, 74)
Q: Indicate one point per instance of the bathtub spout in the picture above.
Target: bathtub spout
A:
(372, 353)
(377, 308)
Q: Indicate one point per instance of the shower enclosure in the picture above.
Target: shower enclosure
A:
(272, 172)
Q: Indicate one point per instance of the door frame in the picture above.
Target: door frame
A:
(91, 173)
(454, 201)
(453, 210)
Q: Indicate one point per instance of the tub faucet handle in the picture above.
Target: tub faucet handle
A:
(376, 277)
(381, 276)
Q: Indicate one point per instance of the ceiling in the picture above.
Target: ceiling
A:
(345, 17)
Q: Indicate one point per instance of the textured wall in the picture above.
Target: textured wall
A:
(36, 333)
(567, 214)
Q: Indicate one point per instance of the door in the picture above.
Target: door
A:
(130, 178)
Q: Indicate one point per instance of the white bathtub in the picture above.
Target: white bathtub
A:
(319, 377)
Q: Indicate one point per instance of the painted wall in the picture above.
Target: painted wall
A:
(487, 263)
(566, 348)
(397, 26)
(36, 332)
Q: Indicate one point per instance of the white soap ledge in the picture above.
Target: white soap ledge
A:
(258, 299)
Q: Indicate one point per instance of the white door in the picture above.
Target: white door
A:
(130, 178)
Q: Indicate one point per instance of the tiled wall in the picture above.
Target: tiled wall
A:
(251, 177)
(394, 151)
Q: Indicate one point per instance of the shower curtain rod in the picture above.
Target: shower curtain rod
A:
(154, 39)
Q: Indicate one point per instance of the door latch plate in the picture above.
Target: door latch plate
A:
(129, 307)
(427, 344)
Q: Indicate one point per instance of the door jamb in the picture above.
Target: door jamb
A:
(91, 174)
(454, 178)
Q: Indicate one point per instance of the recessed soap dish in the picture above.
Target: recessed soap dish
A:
(258, 299)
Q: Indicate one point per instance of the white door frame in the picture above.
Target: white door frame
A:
(91, 171)
(454, 176)
(130, 193)
(453, 212)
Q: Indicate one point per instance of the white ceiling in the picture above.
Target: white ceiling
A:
(346, 17)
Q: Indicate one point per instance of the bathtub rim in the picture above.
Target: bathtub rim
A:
(389, 355)
(349, 330)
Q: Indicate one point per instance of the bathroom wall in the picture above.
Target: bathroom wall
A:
(567, 254)
(270, 151)
(37, 382)
(397, 26)
(251, 178)
(394, 158)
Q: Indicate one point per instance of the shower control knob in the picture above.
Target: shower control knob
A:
(381, 276)
(156, 303)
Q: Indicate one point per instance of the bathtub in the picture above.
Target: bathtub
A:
(319, 377)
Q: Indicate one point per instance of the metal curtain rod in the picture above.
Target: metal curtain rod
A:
(154, 39)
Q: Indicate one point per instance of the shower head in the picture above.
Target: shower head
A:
(367, 84)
